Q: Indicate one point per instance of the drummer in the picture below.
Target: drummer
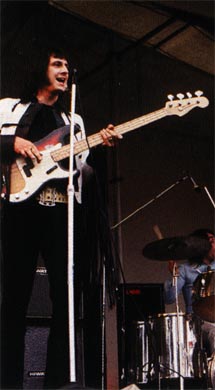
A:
(186, 275)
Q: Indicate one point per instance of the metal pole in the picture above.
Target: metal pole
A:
(71, 315)
(209, 196)
(103, 323)
(180, 346)
(150, 201)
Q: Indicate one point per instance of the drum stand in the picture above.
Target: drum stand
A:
(180, 344)
(179, 341)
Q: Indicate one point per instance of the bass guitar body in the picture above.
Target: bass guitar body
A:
(28, 176)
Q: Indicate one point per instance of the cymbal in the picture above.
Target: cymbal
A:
(176, 248)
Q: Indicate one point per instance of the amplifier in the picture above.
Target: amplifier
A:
(137, 301)
(40, 305)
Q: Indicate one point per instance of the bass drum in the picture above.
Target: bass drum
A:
(167, 330)
(204, 296)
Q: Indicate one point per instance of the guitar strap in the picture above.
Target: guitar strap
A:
(27, 119)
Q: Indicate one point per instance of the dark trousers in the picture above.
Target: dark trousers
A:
(27, 229)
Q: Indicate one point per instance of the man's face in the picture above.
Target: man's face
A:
(57, 74)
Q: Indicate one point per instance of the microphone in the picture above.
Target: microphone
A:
(196, 187)
(74, 73)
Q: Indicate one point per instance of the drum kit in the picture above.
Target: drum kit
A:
(170, 345)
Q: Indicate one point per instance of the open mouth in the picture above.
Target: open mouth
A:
(61, 80)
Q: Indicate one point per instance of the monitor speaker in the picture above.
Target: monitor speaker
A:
(36, 338)
(40, 305)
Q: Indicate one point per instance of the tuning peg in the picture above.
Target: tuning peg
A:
(180, 96)
(170, 97)
(198, 93)
(189, 95)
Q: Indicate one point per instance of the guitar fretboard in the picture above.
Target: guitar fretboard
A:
(96, 139)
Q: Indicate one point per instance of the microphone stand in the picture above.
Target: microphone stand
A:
(70, 190)
(103, 323)
(180, 345)
(198, 188)
(159, 196)
(209, 196)
(150, 201)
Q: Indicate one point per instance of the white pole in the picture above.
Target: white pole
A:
(71, 315)
(180, 344)
(209, 196)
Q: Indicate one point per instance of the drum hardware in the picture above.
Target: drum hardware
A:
(155, 349)
(143, 354)
(188, 361)
(174, 248)
(179, 334)
(180, 244)
(204, 296)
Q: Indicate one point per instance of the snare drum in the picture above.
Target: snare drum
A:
(204, 296)
(167, 330)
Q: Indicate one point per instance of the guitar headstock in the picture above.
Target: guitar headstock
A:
(182, 106)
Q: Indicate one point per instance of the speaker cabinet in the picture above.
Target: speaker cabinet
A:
(36, 338)
(40, 305)
(88, 333)
(136, 304)
(138, 301)
(38, 326)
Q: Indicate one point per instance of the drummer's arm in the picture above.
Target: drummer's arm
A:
(172, 267)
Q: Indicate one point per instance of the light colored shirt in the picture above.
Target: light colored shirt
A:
(187, 276)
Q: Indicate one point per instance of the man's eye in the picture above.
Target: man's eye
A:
(60, 64)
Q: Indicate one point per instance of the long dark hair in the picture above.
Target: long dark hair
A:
(36, 73)
(202, 234)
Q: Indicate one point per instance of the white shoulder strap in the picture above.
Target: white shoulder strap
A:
(80, 159)
(11, 111)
